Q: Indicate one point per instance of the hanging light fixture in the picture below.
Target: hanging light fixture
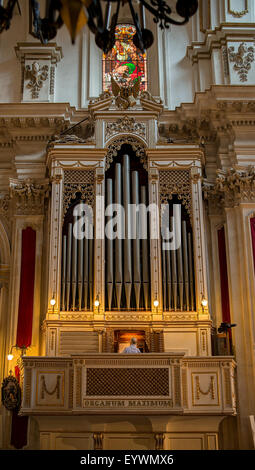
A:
(75, 14)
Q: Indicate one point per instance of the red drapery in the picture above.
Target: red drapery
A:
(25, 323)
(253, 237)
(19, 424)
(223, 276)
(26, 296)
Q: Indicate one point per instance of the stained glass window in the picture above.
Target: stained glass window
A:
(125, 63)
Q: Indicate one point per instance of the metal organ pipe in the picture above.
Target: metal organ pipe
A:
(118, 241)
(174, 268)
(74, 268)
(180, 269)
(91, 272)
(85, 271)
(63, 273)
(127, 240)
(69, 260)
(191, 272)
(145, 249)
(185, 262)
(136, 241)
(109, 247)
(177, 270)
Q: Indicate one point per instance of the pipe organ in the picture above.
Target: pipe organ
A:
(77, 267)
(178, 266)
(127, 255)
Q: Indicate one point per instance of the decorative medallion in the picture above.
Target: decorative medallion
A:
(11, 393)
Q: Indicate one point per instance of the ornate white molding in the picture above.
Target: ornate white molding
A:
(38, 64)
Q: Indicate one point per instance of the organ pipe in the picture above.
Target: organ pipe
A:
(191, 272)
(180, 269)
(174, 268)
(118, 241)
(145, 248)
(185, 262)
(127, 240)
(85, 271)
(136, 241)
(77, 271)
(63, 273)
(177, 270)
(91, 273)
(74, 268)
(80, 271)
(109, 247)
(69, 260)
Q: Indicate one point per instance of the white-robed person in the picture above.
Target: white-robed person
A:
(132, 349)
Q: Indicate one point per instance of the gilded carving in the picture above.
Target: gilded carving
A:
(176, 182)
(210, 390)
(45, 390)
(116, 145)
(238, 14)
(98, 440)
(78, 181)
(159, 444)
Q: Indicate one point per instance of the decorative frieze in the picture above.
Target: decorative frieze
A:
(125, 125)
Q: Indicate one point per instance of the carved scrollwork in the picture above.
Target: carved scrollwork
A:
(242, 60)
(78, 181)
(36, 75)
(125, 124)
(176, 182)
(116, 145)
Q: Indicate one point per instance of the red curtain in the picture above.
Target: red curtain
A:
(223, 276)
(26, 296)
(253, 237)
(19, 424)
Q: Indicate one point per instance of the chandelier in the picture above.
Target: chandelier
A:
(101, 16)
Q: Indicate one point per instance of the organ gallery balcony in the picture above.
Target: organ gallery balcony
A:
(129, 384)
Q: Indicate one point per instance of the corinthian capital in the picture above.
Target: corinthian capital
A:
(29, 196)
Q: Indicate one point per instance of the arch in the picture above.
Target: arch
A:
(114, 145)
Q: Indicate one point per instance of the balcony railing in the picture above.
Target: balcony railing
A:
(132, 384)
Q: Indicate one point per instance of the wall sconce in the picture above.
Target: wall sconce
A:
(97, 303)
(53, 302)
(10, 355)
(204, 303)
(156, 303)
